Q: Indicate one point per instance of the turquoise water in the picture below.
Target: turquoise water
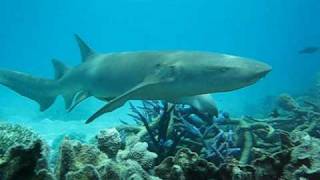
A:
(33, 32)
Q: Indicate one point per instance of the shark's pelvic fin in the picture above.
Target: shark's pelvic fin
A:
(85, 50)
(81, 96)
(68, 99)
(117, 102)
(59, 68)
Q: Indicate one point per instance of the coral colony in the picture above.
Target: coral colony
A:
(173, 142)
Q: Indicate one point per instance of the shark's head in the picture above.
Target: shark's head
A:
(220, 73)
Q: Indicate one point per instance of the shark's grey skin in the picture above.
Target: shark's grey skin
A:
(176, 76)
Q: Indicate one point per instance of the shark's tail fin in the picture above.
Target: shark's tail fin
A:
(43, 91)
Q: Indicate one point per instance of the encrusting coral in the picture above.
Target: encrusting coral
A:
(185, 165)
(74, 156)
(87, 172)
(13, 134)
(56, 143)
(24, 154)
(109, 141)
(85, 161)
(140, 154)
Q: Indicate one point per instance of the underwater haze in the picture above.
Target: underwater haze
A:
(271, 31)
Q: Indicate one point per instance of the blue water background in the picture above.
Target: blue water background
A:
(35, 31)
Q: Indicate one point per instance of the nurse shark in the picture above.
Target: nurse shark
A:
(176, 76)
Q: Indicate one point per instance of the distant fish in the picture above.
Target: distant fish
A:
(309, 50)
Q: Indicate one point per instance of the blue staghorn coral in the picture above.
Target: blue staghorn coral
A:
(162, 141)
(170, 127)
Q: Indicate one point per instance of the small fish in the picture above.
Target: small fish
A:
(309, 50)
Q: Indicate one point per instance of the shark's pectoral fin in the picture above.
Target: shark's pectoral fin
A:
(118, 101)
(81, 96)
(147, 85)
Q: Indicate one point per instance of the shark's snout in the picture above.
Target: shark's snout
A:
(259, 71)
(262, 70)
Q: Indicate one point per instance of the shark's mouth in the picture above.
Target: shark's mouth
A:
(263, 74)
(257, 77)
(260, 75)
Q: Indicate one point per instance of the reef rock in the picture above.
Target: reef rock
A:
(79, 161)
(55, 145)
(132, 170)
(88, 172)
(236, 171)
(185, 165)
(23, 154)
(299, 162)
(286, 102)
(74, 156)
(305, 161)
(109, 142)
(139, 153)
(13, 134)
(271, 167)
(128, 169)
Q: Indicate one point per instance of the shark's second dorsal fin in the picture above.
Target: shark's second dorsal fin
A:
(85, 50)
(59, 68)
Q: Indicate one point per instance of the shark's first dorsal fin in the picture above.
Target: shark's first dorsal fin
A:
(59, 68)
(85, 50)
